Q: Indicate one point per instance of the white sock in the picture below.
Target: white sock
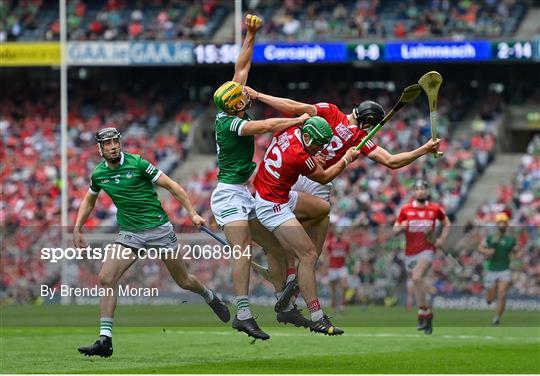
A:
(243, 311)
(317, 315)
(105, 326)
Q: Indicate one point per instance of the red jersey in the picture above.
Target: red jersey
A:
(285, 160)
(346, 135)
(338, 251)
(420, 223)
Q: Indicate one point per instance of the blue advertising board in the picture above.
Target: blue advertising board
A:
(300, 53)
(438, 51)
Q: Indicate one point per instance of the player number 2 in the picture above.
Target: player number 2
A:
(270, 164)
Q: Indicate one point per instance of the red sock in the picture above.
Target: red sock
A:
(314, 306)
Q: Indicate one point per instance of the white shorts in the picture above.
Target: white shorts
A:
(337, 273)
(491, 278)
(411, 261)
(272, 215)
(232, 202)
(306, 185)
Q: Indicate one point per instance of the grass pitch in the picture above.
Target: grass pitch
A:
(188, 339)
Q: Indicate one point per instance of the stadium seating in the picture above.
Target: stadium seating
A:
(291, 20)
(331, 20)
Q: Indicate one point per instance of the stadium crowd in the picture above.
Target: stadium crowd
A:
(293, 20)
(304, 20)
(30, 154)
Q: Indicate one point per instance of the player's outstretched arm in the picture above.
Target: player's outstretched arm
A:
(285, 105)
(395, 161)
(254, 127)
(326, 176)
(87, 205)
(243, 63)
(179, 193)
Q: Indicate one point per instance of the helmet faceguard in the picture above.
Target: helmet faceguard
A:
(368, 114)
(421, 187)
(108, 134)
(229, 95)
(318, 130)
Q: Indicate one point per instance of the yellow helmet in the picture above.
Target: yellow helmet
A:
(228, 95)
(501, 217)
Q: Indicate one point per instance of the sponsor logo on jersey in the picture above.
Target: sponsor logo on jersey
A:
(344, 132)
(420, 225)
(277, 208)
(103, 181)
(129, 175)
(283, 141)
(421, 213)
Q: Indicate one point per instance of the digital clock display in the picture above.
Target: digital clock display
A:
(519, 50)
(216, 54)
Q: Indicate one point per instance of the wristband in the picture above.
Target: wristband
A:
(345, 160)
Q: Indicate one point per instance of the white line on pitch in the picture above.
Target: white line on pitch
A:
(373, 335)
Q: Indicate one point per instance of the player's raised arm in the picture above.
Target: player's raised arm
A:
(284, 105)
(87, 205)
(395, 161)
(180, 194)
(243, 63)
(252, 127)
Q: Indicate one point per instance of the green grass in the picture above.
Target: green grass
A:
(187, 339)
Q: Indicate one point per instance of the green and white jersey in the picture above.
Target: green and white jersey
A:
(131, 188)
(503, 246)
(235, 152)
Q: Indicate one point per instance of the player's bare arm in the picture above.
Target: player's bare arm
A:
(272, 125)
(180, 194)
(326, 176)
(395, 161)
(87, 205)
(399, 227)
(484, 249)
(284, 105)
(444, 233)
(243, 63)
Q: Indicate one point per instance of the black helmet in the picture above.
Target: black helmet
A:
(368, 112)
(107, 134)
(421, 183)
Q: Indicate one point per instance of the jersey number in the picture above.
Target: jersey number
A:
(335, 145)
(270, 164)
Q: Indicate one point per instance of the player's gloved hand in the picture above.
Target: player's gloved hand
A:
(197, 220)
(253, 23)
(253, 94)
(78, 239)
(432, 146)
(304, 117)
